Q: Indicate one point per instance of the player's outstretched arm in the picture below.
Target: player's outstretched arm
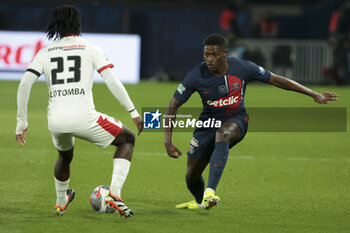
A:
(23, 94)
(139, 124)
(287, 84)
(118, 90)
(171, 149)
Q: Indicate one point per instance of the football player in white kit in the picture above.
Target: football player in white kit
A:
(68, 64)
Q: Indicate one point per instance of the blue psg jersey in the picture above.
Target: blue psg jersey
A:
(222, 96)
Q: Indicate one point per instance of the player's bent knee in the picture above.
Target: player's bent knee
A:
(223, 134)
(130, 137)
(66, 156)
(126, 136)
(228, 132)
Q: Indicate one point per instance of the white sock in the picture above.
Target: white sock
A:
(209, 189)
(61, 188)
(120, 172)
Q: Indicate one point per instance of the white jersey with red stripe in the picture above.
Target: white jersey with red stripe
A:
(69, 65)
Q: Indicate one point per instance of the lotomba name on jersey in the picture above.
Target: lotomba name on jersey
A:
(67, 92)
(225, 101)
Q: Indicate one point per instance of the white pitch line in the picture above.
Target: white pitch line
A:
(319, 160)
(150, 153)
(164, 154)
(143, 153)
(241, 157)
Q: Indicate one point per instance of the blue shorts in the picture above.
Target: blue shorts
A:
(203, 141)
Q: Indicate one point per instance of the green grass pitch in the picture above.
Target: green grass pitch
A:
(273, 182)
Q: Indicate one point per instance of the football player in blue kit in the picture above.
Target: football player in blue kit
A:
(221, 83)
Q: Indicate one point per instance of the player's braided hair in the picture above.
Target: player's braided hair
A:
(216, 39)
(65, 20)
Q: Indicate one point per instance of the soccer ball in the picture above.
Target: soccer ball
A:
(97, 200)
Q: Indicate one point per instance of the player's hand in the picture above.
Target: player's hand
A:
(139, 124)
(172, 150)
(21, 137)
(325, 97)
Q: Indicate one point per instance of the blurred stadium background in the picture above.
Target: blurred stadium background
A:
(295, 38)
(274, 182)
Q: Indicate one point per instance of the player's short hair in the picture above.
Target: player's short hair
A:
(216, 39)
(64, 20)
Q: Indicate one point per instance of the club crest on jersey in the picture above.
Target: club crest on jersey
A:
(236, 86)
(181, 88)
(261, 70)
(222, 89)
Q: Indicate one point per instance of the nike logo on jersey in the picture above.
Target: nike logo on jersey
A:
(218, 165)
(206, 92)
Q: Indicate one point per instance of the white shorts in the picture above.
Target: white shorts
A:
(102, 133)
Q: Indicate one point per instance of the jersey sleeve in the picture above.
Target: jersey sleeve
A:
(100, 60)
(256, 72)
(186, 88)
(36, 66)
(23, 94)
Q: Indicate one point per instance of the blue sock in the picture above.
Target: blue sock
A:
(217, 163)
(197, 189)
